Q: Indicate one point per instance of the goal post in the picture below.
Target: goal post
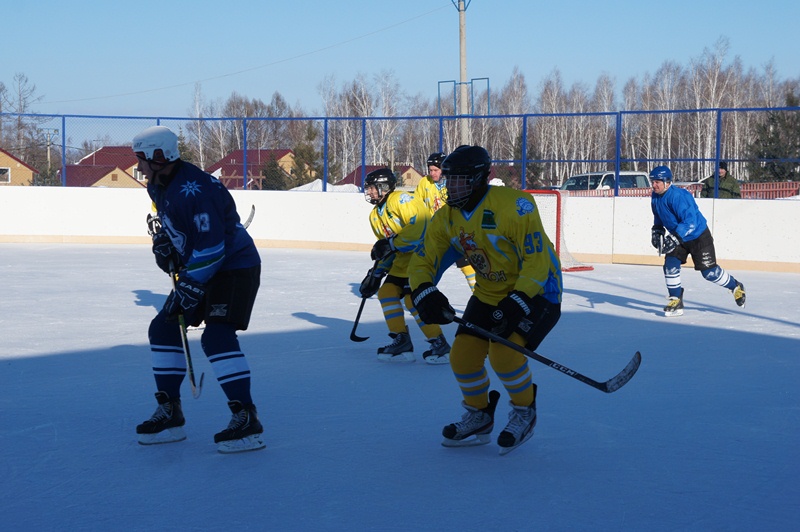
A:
(552, 206)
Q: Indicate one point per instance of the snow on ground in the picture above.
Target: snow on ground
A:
(705, 437)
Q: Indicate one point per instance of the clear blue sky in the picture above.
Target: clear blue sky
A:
(143, 58)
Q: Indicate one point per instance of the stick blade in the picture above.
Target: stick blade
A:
(197, 390)
(622, 378)
(355, 338)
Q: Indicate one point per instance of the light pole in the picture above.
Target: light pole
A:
(49, 134)
(462, 47)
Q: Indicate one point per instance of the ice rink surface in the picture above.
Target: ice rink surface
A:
(705, 437)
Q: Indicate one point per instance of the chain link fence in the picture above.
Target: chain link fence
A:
(528, 150)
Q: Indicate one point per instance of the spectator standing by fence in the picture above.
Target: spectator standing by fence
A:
(728, 185)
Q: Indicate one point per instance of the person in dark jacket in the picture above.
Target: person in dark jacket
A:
(728, 185)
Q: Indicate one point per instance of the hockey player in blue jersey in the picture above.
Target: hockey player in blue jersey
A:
(675, 210)
(217, 272)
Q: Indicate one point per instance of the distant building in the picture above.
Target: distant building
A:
(15, 172)
(109, 166)
(229, 170)
(79, 175)
(407, 175)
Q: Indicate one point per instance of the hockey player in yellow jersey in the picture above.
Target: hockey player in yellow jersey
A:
(398, 221)
(517, 295)
(432, 190)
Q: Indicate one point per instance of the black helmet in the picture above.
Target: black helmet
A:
(466, 171)
(435, 159)
(384, 182)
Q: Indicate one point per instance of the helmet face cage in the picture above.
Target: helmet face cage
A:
(157, 138)
(383, 181)
(466, 170)
(460, 188)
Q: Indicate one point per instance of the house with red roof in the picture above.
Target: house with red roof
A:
(96, 175)
(407, 175)
(15, 172)
(230, 170)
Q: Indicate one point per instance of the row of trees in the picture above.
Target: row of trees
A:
(564, 130)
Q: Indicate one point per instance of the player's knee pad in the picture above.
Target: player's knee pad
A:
(390, 290)
(712, 274)
(219, 338)
(504, 359)
(672, 266)
(718, 276)
(164, 331)
(468, 354)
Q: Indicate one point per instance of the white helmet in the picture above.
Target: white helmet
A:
(157, 138)
(497, 182)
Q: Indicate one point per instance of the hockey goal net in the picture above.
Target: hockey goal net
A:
(552, 205)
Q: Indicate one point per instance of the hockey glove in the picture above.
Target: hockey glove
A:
(670, 243)
(656, 234)
(185, 298)
(371, 283)
(153, 224)
(166, 255)
(382, 249)
(432, 305)
(509, 312)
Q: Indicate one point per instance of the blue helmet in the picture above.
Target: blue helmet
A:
(661, 173)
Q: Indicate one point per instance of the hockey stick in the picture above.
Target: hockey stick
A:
(611, 385)
(247, 222)
(196, 389)
(353, 336)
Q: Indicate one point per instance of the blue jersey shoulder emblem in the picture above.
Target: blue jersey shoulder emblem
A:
(524, 206)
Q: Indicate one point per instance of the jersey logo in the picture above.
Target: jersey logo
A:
(478, 257)
(524, 206)
(488, 221)
(405, 197)
(190, 187)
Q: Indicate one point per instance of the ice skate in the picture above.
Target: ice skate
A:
(521, 420)
(674, 306)
(244, 432)
(166, 423)
(738, 294)
(400, 350)
(439, 353)
(475, 427)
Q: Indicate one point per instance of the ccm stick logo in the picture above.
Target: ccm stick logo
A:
(562, 369)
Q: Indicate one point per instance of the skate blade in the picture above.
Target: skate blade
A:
(472, 441)
(253, 442)
(673, 313)
(402, 358)
(437, 360)
(172, 435)
(505, 450)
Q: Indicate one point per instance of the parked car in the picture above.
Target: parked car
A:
(605, 181)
